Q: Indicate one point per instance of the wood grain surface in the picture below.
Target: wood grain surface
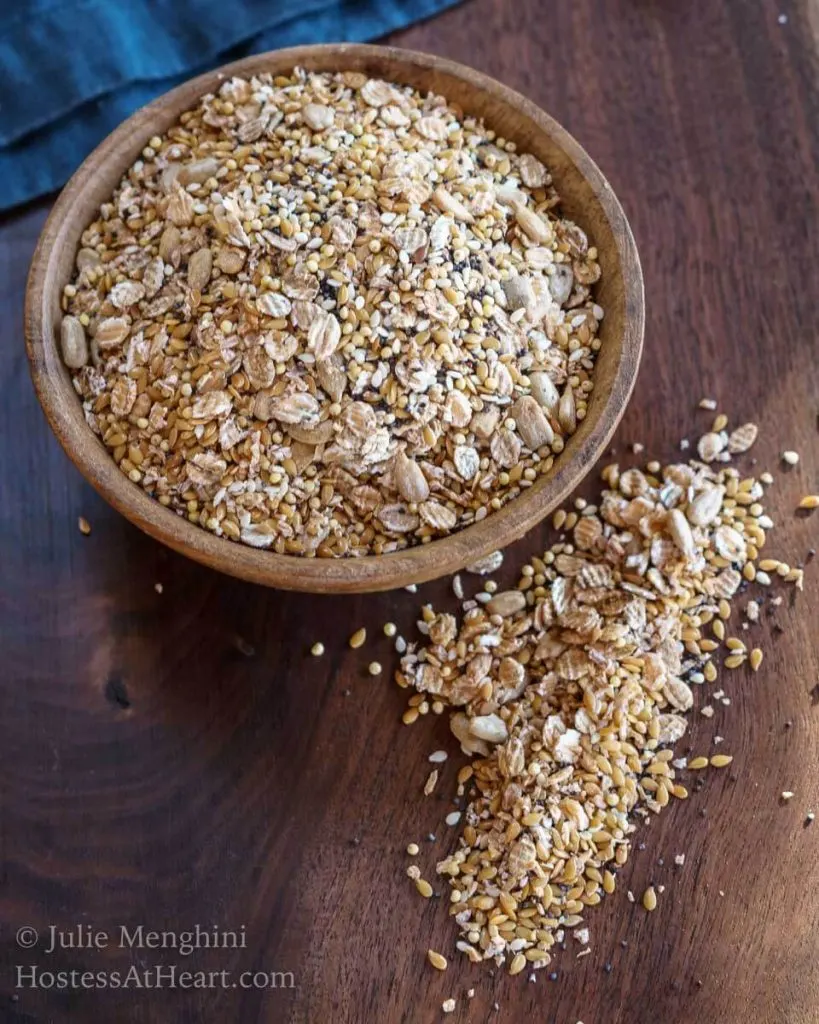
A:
(177, 759)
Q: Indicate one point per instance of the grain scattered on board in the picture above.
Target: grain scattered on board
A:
(577, 684)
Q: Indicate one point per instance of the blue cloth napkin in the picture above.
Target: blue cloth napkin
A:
(72, 70)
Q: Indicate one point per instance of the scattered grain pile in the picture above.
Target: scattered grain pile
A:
(570, 691)
(329, 316)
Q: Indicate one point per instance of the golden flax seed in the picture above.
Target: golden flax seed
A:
(358, 638)
(518, 963)
(438, 960)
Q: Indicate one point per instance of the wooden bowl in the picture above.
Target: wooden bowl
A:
(587, 198)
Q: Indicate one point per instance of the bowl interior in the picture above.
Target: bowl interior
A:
(587, 198)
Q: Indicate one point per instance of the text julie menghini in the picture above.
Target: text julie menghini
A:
(184, 943)
(138, 937)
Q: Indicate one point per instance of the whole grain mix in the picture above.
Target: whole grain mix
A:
(570, 691)
(328, 315)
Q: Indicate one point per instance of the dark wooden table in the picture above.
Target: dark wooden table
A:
(178, 759)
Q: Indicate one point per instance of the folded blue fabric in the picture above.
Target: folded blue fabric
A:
(72, 70)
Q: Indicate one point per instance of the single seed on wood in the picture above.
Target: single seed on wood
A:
(438, 960)
(317, 649)
(755, 658)
(518, 963)
(84, 526)
(423, 887)
(650, 898)
(810, 502)
(698, 762)
(358, 638)
(721, 760)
